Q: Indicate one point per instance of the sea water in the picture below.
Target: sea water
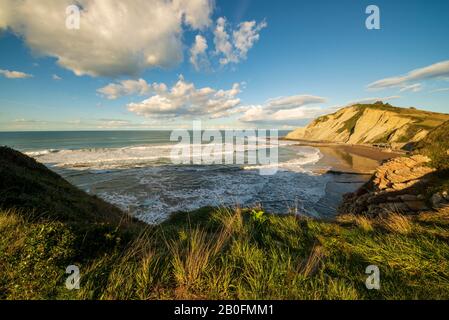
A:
(133, 170)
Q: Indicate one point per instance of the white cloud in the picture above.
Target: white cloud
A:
(15, 74)
(23, 120)
(261, 115)
(413, 88)
(184, 100)
(437, 70)
(112, 123)
(130, 87)
(83, 124)
(222, 44)
(284, 109)
(440, 90)
(198, 55)
(292, 102)
(243, 39)
(247, 35)
(56, 77)
(115, 37)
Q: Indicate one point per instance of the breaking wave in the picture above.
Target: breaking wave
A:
(142, 180)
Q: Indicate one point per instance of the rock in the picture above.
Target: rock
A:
(445, 195)
(405, 185)
(416, 205)
(420, 159)
(439, 201)
(436, 200)
(394, 206)
(408, 197)
(380, 194)
(401, 176)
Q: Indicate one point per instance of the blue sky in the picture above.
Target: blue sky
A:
(291, 61)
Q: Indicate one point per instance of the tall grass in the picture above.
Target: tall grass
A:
(233, 254)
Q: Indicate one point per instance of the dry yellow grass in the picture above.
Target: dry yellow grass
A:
(361, 221)
(313, 262)
(396, 222)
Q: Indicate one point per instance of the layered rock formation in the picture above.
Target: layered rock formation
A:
(371, 124)
(398, 185)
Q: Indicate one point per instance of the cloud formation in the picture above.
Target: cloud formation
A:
(413, 88)
(15, 74)
(292, 102)
(285, 109)
(434, 71)
(440, 90)
(185, 100)
(130, 87)
(198, 54)
(234, 49)
(151, 29)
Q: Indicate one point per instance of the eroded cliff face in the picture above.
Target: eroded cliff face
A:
(370, 124)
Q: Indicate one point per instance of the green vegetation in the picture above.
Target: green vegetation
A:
(351, 123)
(46, 223)
(227, 254)
(436, 146)
(321, 119)
(210, 253)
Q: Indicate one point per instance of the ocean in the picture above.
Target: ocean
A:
(134, 171)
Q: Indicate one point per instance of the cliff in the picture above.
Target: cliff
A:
(409, 185)
(372, 124)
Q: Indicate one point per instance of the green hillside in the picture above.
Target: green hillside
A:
(46, 224)
(436, 146)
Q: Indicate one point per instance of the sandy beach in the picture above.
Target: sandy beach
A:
(350, 166)
(348, 158)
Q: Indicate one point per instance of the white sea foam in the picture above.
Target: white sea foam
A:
(306, 156)
(40, 152)
(103, 158)
(151, 189)
(160, 191)
(110, 158)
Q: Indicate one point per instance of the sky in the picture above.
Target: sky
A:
(157, 64)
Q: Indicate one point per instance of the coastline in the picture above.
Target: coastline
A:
(349, 158)
(349, 167)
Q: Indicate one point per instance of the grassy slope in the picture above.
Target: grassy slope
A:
(436, 146)
(47, 224)
(210, 253)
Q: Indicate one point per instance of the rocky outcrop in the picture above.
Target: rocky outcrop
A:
(371, 124)
(401, 173)
(398, 185)
(440, 200)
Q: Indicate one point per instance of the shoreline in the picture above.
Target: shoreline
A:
(349, 166)
(345, 158)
